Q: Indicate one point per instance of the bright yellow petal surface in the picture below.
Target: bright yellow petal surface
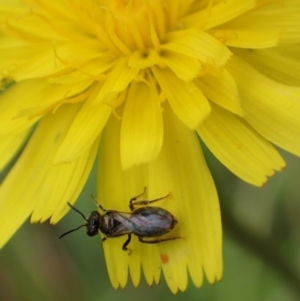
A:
(14, 59)
(185, 98)
(221, 12)
(21, 105)
(180, 170)
(239, 147)
(273, 109)
(15, 98)
(57, 21)
(248, 39)
(281, 63)
(197, 44)
(222, 90)
(11, 7)
(26, 60)
(185, 67)
(142, 60)
(80, 138)
(142, 125)
(94, 68)
(29, 61)
(282, 16)
(55, 96)
(65, 9)
(118, 79)
(62, 183)
(9, 145)
(30, 171)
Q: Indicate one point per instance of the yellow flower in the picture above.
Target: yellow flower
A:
(140, 78)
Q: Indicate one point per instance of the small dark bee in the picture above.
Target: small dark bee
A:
(144, 222)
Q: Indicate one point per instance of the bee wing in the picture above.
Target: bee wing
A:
(124, 226)
(149, 221)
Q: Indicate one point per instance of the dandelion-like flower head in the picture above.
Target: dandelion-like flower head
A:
(137, 82)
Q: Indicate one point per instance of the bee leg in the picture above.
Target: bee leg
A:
(104, 239)
(134, 202)
(126, 243)
(131, 205)
(98, 204)
(156, 241)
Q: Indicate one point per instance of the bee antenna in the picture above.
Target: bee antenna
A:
(78, 212)
(70, 231)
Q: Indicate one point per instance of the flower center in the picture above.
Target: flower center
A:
(133, 24)
(121, 8)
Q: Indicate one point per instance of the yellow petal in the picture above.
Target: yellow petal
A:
(9, 145)
(118, 79)
(73, 78)
(222, 90)
(182, 167)
(35, 26)
(18, 201)
(26, 61)
(14, 98)
(142, 60)
(115, 194)
(96, 67)
(51, 97)
(187, 101)
(63, 183)
(185, 67)
(239, 147)
(63, 9)
(248, 39)
(271, 108)
(85, 129)
(15, 54)
(20, 102)
(180, 170)
(6, 8)
(281, 63)
(142, 126)
(220, 13)
(78, 53)
(275, 16)
(197, 44)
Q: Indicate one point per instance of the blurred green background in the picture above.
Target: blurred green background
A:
(261, 249)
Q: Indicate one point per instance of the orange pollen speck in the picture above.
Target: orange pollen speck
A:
(164, 258)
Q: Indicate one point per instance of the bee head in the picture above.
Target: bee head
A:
(92, 223)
